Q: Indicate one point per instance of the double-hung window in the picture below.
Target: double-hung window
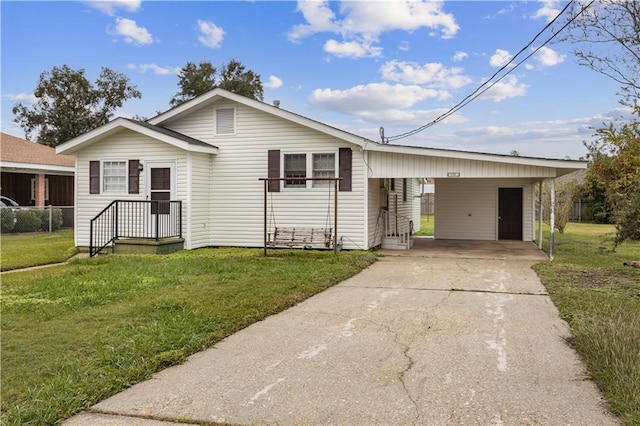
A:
(295, 166)
(324, 165)
(114, 176)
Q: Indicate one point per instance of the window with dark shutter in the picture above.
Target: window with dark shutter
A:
(273, 159)
(134, 176)
(94, 177)
(345, 169)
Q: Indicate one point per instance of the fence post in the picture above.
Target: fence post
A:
(50, 218)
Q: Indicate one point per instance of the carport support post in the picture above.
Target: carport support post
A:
(540, 215)
(552, 218)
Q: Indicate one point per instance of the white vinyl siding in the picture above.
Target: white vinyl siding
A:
(225, 121)
(388, 165)
(467, 209)
(130, 145)
(237, 193)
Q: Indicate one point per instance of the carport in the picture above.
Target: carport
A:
(478, 197)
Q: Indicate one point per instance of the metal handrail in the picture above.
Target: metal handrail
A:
(399, 226)
(134, 219)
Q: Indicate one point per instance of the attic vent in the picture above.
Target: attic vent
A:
(276, 104)
(225, 121)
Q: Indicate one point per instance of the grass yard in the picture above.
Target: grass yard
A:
(76, 334)
(426, 226)
(599, 297)
(33, 249)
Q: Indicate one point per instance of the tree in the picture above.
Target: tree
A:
(606, 36)
(69, 105)
(195, 80)
(615, 167)
(564, 197)
(235, 79)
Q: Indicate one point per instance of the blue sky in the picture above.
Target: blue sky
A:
(356, 65)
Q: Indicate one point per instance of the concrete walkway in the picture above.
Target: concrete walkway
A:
(412, 340)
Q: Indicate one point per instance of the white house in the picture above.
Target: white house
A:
(211, 152)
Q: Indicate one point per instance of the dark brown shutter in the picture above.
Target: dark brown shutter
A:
(404, 190)
(94, 177)
(134, 176)
(344, 166)
(274, 169)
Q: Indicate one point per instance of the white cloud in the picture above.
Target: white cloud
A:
(353, 49)
(110, 7)
(273, 83)
(211, 35)
(132, 33)
(365, 21)
(508, 87)
(459, 56)
(156, 69)
(500, 58)
(548, 10)
(28, 98)
(433, 74)
(548, 57)
(371, 97)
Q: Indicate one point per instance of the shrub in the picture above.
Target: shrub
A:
(56, 219)
(7, 220)
(27, 221)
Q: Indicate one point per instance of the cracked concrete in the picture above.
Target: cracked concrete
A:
(394, 345)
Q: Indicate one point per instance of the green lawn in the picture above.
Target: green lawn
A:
(426, 225)
(33, 249)
(75, 334)
(599, 297)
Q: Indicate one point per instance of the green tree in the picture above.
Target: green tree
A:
(235, 79)
(615, 167)
(564, 197)
(195, 80)
(69, 105)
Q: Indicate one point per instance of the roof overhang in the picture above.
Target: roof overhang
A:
(120, 124)
(562, 166)
(32, 168)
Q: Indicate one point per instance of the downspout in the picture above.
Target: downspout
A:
(540, 215)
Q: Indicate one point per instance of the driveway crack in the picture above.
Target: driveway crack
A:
(403, 375)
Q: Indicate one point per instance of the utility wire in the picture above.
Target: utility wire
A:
(489, 83)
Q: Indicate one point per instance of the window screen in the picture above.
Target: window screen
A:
(295, 165)
(324, 165)
(114, 176)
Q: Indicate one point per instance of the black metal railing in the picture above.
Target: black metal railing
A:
(142, 219)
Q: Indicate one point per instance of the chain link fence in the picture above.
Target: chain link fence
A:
(35, 219)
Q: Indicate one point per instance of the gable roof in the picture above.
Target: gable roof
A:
(163, 134)
(562, 166)
(18, 153)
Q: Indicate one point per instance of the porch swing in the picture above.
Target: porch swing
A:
(300, 236)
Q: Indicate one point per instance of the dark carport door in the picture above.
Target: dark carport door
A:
(510, 214)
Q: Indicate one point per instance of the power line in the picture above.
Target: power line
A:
(488, 84)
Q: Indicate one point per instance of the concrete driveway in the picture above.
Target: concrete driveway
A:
(425, 338)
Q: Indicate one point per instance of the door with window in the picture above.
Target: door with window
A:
(161, 185)
(510, 214)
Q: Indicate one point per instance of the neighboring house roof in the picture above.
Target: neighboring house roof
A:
(17, 154)
(157, 132)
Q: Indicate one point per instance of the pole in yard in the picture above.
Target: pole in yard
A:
(552, 219)
(335, 217)
(540, 215)
(264, 250)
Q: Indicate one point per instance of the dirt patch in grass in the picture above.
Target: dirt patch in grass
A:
(626, 283)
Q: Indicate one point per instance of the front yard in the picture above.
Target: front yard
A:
(73, 335)
(599, 297)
